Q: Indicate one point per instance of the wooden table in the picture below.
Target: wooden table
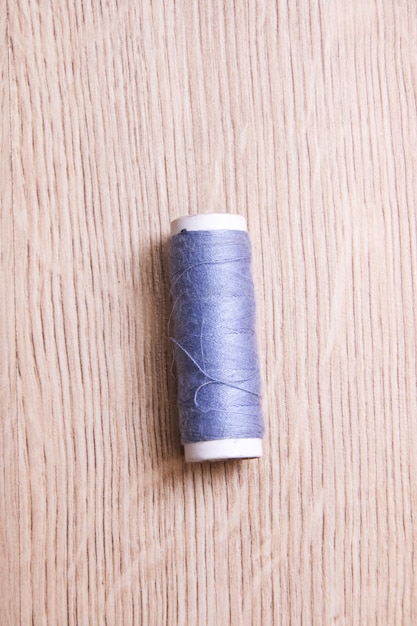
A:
(116, 118)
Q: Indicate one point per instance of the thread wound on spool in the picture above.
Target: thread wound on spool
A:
(213, 332)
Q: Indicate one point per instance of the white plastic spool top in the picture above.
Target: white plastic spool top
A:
(221, 449)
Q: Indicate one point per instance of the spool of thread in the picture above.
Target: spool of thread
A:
(213, 333)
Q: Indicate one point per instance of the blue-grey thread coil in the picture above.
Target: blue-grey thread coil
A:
(213, 332)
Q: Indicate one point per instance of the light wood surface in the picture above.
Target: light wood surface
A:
(116, 118)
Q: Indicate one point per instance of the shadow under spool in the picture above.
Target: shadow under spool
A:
(222, 448)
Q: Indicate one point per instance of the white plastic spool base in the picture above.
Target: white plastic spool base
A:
(221, 449)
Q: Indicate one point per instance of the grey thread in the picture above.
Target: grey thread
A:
(213, 328)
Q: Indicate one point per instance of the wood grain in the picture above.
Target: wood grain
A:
(116, 118)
